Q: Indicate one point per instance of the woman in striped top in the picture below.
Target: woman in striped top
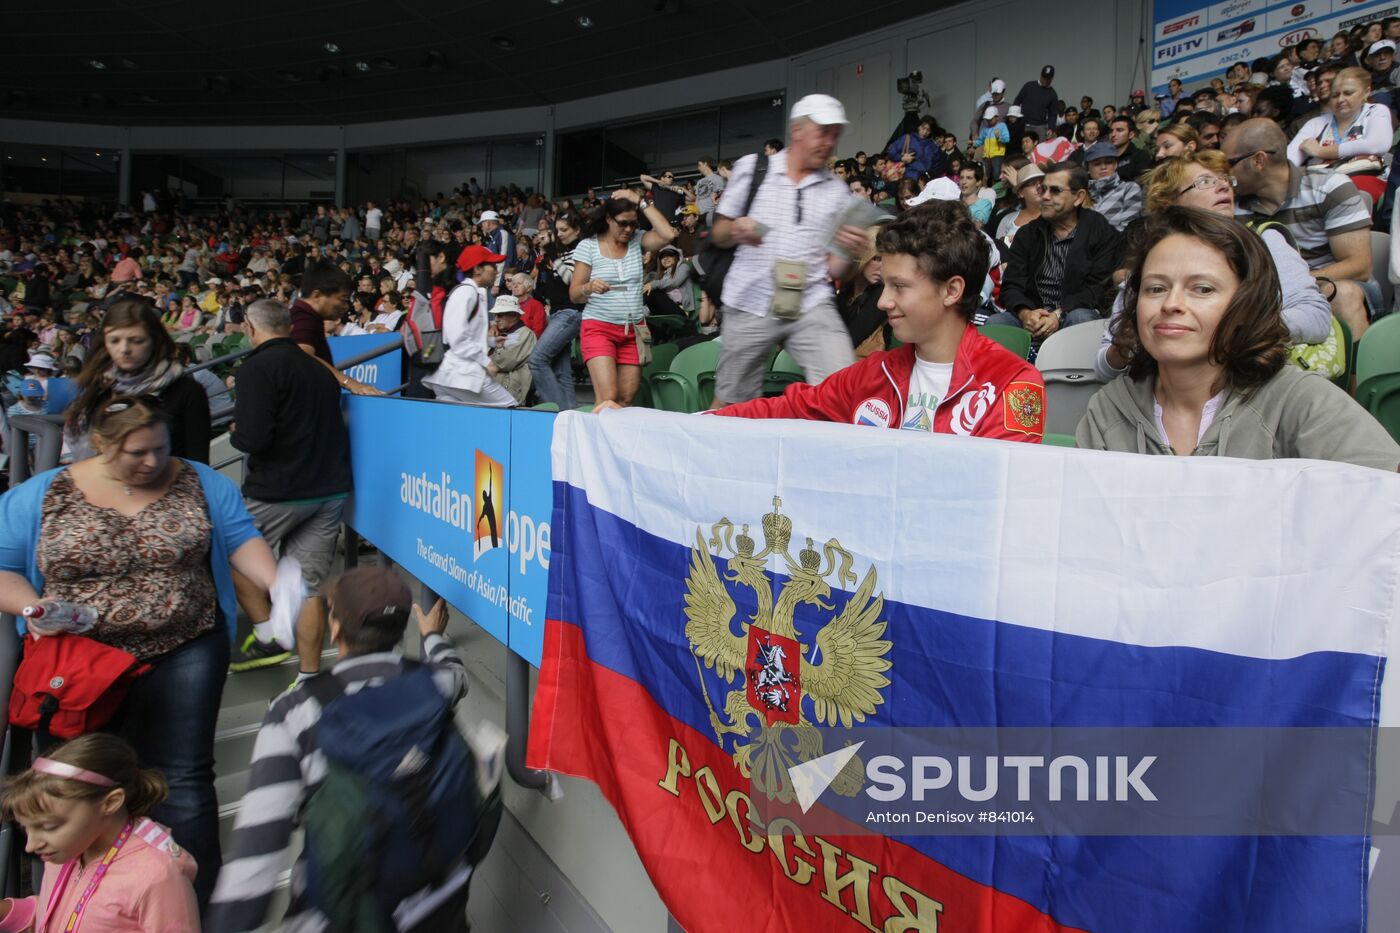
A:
(608, 277)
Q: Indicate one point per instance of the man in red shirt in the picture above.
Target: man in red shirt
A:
(531, 309)
(946, 378)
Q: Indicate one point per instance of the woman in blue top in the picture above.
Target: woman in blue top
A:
(147, 540)
(608, 276)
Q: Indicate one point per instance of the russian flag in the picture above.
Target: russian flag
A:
(942, 581)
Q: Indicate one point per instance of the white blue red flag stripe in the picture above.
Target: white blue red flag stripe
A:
(941, 581)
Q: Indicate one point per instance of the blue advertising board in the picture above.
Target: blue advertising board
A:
(531, 497)
(383, 372)
(461, 497)
(1195, 43)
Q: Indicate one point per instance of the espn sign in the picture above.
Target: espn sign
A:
(1181, 24)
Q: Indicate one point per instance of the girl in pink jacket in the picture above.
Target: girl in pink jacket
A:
(107, 869)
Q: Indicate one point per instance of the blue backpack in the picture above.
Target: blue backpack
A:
(399, 808)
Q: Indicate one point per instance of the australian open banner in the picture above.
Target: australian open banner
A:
(842, 679)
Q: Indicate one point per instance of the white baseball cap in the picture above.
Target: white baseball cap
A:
(1380, 46)
(939, 189)
(989, 113)
(488, 215)
(822, 109)
(998, 86)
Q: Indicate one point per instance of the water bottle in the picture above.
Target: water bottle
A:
(54, 615)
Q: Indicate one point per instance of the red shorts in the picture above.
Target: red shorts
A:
(599, 338)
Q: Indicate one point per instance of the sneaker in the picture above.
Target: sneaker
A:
(258, 654)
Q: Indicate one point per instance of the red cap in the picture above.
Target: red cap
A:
(475, 255)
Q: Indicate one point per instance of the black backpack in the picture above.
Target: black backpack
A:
(712, 262)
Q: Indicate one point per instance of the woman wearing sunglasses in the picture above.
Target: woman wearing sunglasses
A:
(1203, 180)
(607, 281)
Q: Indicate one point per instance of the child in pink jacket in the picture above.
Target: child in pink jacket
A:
(107, 869)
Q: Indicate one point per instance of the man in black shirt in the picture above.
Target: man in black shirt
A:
(1039, 103)
(287, 419)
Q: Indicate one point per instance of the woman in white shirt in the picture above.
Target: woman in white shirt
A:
(1353, 130)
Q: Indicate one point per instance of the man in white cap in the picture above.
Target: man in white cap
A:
(500, 241)
(777, 290)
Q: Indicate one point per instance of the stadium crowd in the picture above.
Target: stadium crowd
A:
(1223, 232)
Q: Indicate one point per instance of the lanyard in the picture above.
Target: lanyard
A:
(78, 909)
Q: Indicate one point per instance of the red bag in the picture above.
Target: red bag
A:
(68, 685)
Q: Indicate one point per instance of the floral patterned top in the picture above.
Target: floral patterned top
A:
(146, 574)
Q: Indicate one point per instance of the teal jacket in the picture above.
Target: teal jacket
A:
(21, 510)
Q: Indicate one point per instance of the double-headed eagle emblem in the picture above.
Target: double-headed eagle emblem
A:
(789, 681)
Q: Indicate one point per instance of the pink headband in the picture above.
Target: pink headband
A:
(59, 769)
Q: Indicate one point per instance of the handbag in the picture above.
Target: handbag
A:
(712, 262)
(642, 331)
(70, 685)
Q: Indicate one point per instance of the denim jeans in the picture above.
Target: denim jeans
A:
(550, 365)
(169, 717)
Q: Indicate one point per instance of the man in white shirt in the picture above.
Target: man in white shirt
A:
(374, 220)
(778, 289)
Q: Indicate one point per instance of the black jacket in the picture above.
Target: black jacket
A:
(188, 406)
(287, 419)
(1134, 163)
(1088, 280)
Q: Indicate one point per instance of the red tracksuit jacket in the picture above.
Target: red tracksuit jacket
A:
(993, 393)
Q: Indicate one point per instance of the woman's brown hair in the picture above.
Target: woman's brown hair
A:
(121, 415)
(93, 383)
(1251, 342)
(30, 795)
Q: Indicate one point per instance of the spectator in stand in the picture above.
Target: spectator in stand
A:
(531, 310)
(858, 302)
(1207, 354)
(1354, 132)
(1207, 126)
(1039, 103)
(1175, 95)
(1324, 213)
(497, 240)
(1016, 129)
(1028, 179)
(917, 151)
(129, 267)
(993, 98)
(1117, 200)
(1146, 122)
(135, 356)
(970, 186)
(708, 189)
(672, 280)
(1060, 271)
(349, 227)
(1202, 180)
(1174, 141)
(463, 375)
(530, 216)
(511, 344)
(607, 281)
(1132, 161)
(992, 140)
(374, 221)
(551, 366)
(777, 243)
(147, 540)
(1088, 132)
(772, 147)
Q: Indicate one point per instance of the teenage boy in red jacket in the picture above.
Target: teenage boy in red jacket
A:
(946, 378)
